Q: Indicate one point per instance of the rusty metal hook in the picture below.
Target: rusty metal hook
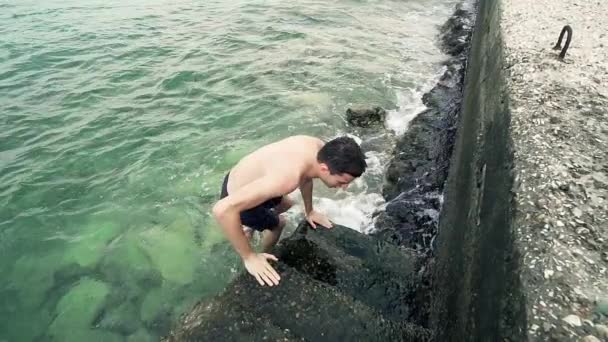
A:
(558, 45)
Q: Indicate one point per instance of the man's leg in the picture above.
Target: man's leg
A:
(284, 205)
(270, 237)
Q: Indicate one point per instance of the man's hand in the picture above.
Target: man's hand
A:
(257, 265)
(314, 217)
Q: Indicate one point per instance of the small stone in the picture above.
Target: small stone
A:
(541, 203)
(573, 320)
(546, 326)
(588, 322)
(564, 187)
(590, 338)
(559, 223)
(548, 274)
(582, 231)
(577, 212)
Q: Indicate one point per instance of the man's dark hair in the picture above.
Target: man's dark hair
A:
(343, 155)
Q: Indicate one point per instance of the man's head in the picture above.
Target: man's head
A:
(340, 161)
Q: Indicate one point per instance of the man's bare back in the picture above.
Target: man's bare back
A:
(287, 159)
(253, 193)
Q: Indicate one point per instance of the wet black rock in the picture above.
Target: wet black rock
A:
(412, 217)
(455, 32)
(421, 158)
(365, 116)
(336, 285)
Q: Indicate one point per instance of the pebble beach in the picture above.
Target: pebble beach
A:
(560, 138)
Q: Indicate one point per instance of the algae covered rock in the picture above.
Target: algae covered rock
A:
(127, 263)
(121, 319)
(330, 279)
(156, 306)
(361, 116)
(77, 310)
(376, 273)
(92, 241)
(173, 252)
(141, 336)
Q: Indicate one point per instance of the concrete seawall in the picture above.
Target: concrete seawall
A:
(476, 293)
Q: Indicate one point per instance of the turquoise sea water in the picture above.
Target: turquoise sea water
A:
(118, 120)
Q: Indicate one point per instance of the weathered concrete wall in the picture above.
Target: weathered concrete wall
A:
(476, 290)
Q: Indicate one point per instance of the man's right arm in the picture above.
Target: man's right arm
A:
(227, 213)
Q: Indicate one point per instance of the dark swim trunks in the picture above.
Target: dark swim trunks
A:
(261, 217)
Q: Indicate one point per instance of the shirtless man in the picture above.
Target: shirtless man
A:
(254, 192)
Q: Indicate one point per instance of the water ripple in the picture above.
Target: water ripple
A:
(129, 110)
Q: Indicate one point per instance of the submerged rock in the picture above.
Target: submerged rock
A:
(173, 252)
(140, 336)
(121, 319)
(91, 245)
(78, 310)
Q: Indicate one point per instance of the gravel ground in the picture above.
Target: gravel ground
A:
(560, 137)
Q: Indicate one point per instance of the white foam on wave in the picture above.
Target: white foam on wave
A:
(353, 210)
(352, 207)
(409, 104)
(355, 206)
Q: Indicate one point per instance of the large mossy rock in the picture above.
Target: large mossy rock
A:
(336, 285)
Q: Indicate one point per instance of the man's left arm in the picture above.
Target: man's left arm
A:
(312, 216)
(306, 190)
